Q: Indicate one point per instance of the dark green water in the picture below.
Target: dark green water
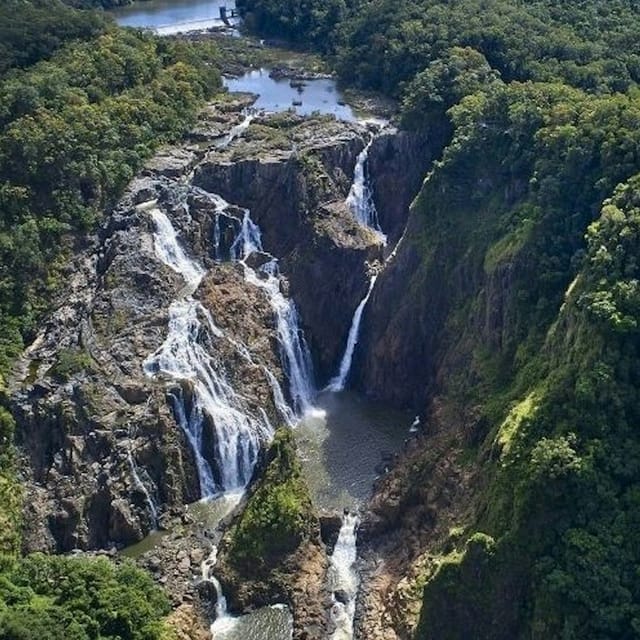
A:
(342, 445)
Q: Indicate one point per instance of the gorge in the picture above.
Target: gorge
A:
(185, 318)
(287, 357)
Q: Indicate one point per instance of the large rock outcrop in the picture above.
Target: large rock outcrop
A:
(100, 438)
(272, 552)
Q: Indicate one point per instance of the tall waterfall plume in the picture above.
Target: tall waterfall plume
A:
(339, 381)
(295, 356)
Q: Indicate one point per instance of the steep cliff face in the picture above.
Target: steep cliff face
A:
(293, 175)
(398, 162)
(98, 431)
(480, 322)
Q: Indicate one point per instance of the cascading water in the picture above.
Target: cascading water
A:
(338, 382)
(343, 579)
(153, 510)
(360, 198)
(211, 399)
(168, 249)
(360, 202)
(294, 351)
(238, 130)
(222, 617)
(295, 355)
(267, 623)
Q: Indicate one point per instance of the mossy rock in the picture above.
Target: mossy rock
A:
(279, 514)
(471, 595)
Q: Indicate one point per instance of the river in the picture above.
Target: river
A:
(168, 17)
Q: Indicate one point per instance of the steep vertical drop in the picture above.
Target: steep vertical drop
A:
(205, 397)
(294, 352)
(360, 198)
(339, 381)
(295, 356)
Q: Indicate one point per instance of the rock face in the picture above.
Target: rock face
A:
(102, 440)
(272, 552)
(106, 459)
(103, 443)
(296, 192)
(294, 174)
(398, 162)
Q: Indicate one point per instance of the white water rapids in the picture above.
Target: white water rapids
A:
(267, 623)
(343, 579)
(294, 352)
(206, 398)
(212, 399)
(153, 510)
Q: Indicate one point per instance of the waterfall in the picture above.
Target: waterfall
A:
(211, 399)
(343, 579)
(278, 399)
(338, 382)
(141, 486)
(223, 621)
(273, 622)
(360, 198)
(238, 130)
(294, 352)
(168, 249)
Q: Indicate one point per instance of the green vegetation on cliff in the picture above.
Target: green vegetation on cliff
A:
(82, 105)
(302, 22)
(279, 515)
(10, 491)
(78, 116)
(531, 221)
(389, 45)
(548, 331)
(61, 598)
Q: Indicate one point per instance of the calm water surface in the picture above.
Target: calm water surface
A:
(343, 444)
(172, 16)
(321, 96)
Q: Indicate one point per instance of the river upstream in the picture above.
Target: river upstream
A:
(345, 440)
(167, 17)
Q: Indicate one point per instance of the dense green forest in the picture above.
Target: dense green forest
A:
(61, 598)
(556, 391)
(539, 188)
